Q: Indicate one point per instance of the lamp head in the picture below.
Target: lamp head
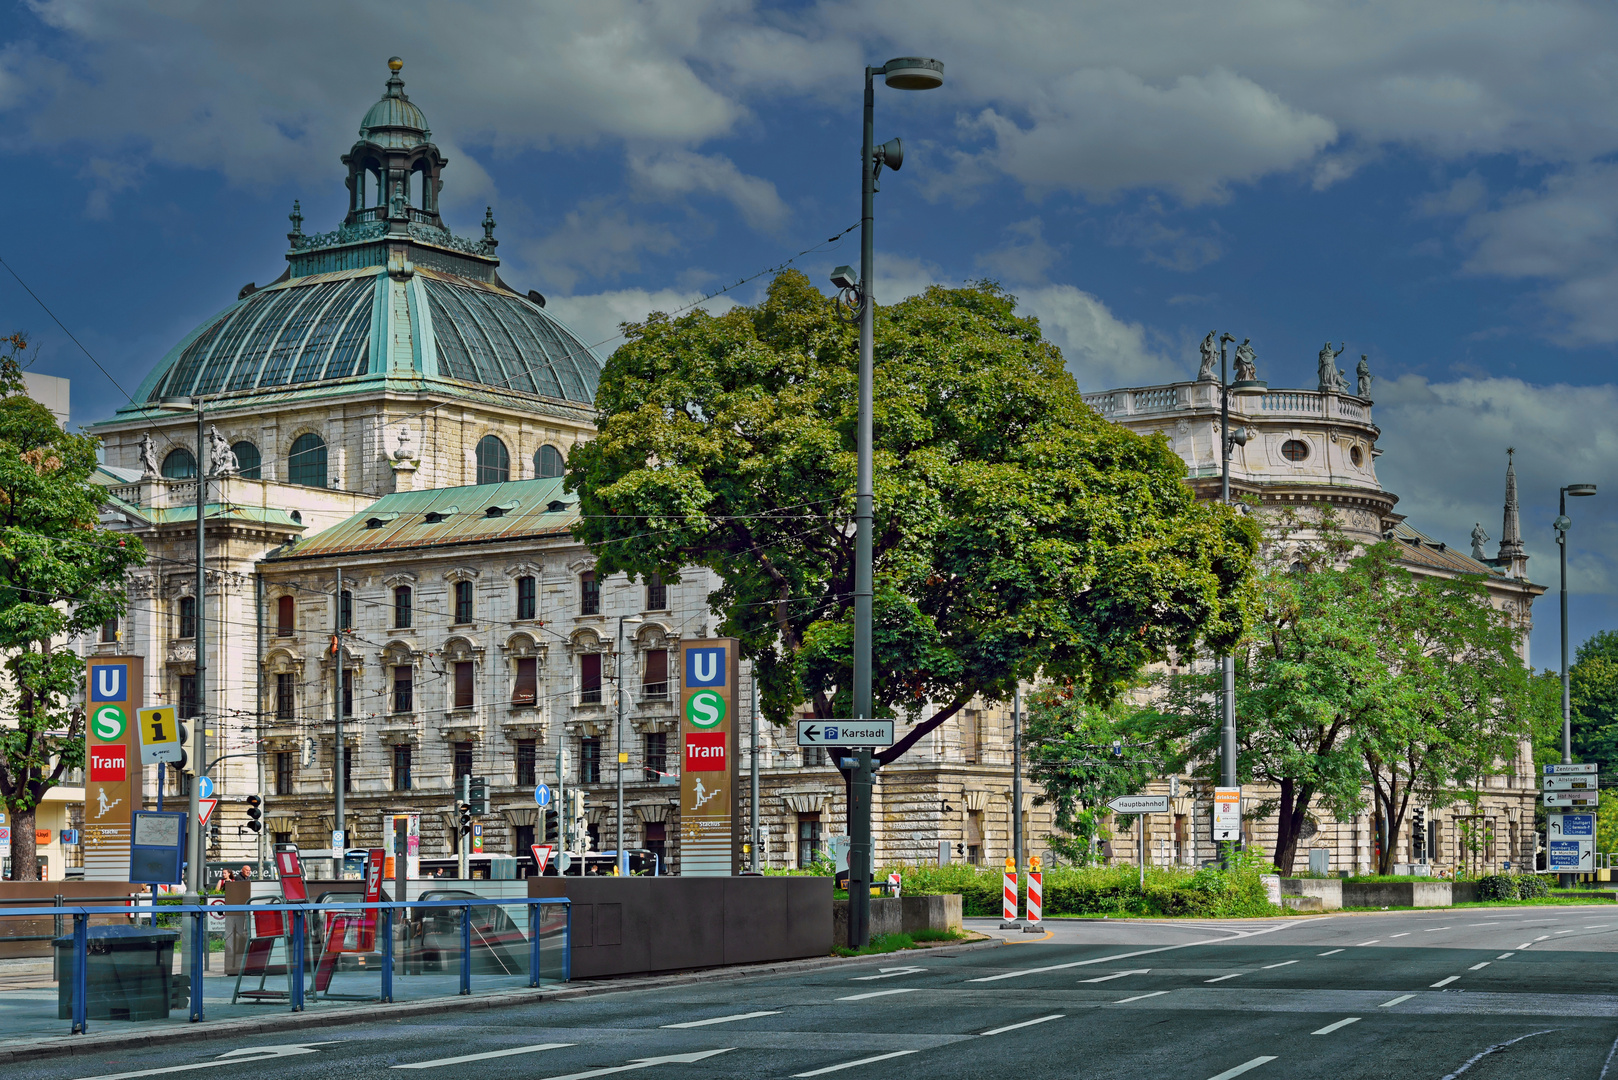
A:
(1562, 524)
(1580, 489)
(177, 404)
(1239, 436)
(913, 73)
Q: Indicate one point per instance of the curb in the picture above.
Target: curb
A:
(74, 1045)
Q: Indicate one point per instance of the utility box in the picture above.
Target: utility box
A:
(1320, 860)
(129, 973)
(943, 852)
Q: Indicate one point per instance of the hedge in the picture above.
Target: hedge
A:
(1512, 887)
(1100, 891)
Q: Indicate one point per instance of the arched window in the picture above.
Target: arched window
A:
(548, 462)
(402, 613)
(180, 465)
(306, 464)
(247, 461)
(283, 617)
(494, 464)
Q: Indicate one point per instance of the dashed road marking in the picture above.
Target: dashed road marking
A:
(722, 1019)
(1405, 934)
(880, 993)
(1329, 1028)
(1222, 978)
(1503, 955)
(438, 1062)
(1284, 963)
(1025, 1023)
(1333, 952)
(1373, 941)
(1445, 982)
(1479, 967)
(1395, 1001)
(1243, 1067)
(1430, 929)
(1141, 997)
(851, 1064)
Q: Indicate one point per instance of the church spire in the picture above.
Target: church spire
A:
(1513, 558)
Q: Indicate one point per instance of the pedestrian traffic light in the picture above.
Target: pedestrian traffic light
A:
(478, 793)
(254, 813)
(960, 851)
(465, 809)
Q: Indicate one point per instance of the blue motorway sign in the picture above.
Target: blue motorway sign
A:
(542, 795)
(1576, 825)
(1563, 855)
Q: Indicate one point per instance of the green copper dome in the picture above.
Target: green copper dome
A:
(395, 120)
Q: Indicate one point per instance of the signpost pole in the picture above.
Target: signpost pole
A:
(1016, 776)
(1140, 830)
(465, 839)
(195, 879)
(859, 853)
(752, 803)
(340, 754)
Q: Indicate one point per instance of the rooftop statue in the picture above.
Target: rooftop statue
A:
(1364, 373)
(148, 456)
(1210, 353)
(1479, 537)
(1332, 380)
(220, 455)
(1246, 362)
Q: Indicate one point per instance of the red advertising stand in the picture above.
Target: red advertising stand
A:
(351, 933)
(269, 927)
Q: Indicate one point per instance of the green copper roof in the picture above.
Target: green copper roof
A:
(395, 120)
(442, 517)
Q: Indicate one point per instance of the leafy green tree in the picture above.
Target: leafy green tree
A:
(60, 576)
(1082, 755)
(1017, 533)
(1593, 694)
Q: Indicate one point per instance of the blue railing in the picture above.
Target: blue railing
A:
(297, 940)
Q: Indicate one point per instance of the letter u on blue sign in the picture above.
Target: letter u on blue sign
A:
(109, 682)
(705, 667)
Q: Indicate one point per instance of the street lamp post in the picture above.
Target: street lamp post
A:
(904, 73)
(623, 755)
(1228, 439)
(1561, 525)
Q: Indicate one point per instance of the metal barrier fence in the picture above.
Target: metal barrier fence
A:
(377, 929)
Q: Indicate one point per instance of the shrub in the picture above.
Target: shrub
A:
(1497, 887)
(1103, 890)
(1532, 886)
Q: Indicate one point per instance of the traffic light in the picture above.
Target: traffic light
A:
(479, 795)
(553, 827)
(465, 809)
(1418, 834)
(254, 813)
(184, 764)
(213, 834)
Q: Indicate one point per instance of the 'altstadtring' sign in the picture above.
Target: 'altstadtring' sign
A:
(708, 668)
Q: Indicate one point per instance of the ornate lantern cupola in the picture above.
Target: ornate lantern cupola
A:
(394, 168)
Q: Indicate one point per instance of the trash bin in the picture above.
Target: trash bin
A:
(128, 977)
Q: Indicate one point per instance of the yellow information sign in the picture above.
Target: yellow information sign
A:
(160, 735)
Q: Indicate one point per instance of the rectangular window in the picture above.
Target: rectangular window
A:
(657, 594)
(463, 601)
(109, 630)
(814, 757)
(589, 594)
(969, 736)
(403, 607)
(283, 616)
(656, 838)
(589, 761)
(524, 841)
(401, 767)
(404, 688)
(526, 602)
(463, 764)
(526, 760)
(526, 689)
(808, 838)
(655, 679)
(189, 706)
(657, 755)
(974, 836)
(348, 691)
(188, 616)
(463, 685)
(590, 679)
(285, 709)
(283, 773)
(345, 611)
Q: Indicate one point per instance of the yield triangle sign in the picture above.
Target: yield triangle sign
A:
(205, 811)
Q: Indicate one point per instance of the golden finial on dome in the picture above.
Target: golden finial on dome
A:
(394, 64)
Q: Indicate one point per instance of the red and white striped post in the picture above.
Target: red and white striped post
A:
(1008, 895)
(1036, 890)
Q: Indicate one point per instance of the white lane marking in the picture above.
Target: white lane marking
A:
(240, 1056)
(1329, 1028)
(1373, 941)
(1430, 929)
(1284, 963)
(1395, 1001)
(1222, 978)
(851, 1064)
(1503, 955)
(1542, 937)
(512, 1052)
(888, 973)
(1243, 1067)
(1479, 967)
(643, 1063)
(1445, 981)
(1564, 931)
(1524, 945)
(1334, 952)
(1141, 997)
(722, 1019)
(1025, 1023)
(1405, 934)
(880, 993)
(1598, 926)
(1142, 952)
(1119, 975)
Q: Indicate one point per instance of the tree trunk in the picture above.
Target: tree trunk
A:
(1286, 837)
(24, 856)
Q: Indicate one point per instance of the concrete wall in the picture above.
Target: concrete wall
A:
(21, 894)
(904, 915)
(1397, 894)
(626, 926)
(1329, 890)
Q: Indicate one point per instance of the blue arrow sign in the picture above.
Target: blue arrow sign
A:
(204, 787)
(542, 795)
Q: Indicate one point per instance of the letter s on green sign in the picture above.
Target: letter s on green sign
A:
(706, 709)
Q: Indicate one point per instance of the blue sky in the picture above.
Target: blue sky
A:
(1434, 184)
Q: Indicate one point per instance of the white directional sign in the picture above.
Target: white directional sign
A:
(1591, 799)
(1586, 782)
(1227, 813)
(1572, 770)
(1139, 804)
(845, 732)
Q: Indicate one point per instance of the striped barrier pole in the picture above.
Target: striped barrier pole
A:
(1008, 895)
(1036, 890)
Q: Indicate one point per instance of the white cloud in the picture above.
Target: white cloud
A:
(597, 238)
(1101, 350)
(596, 316)
(1026, 257)
(672, 173)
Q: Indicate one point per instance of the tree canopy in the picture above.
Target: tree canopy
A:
(1593, 694)
(60, 576)
(1017, 533)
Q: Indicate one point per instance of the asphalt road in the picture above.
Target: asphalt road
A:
(1485, 993)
